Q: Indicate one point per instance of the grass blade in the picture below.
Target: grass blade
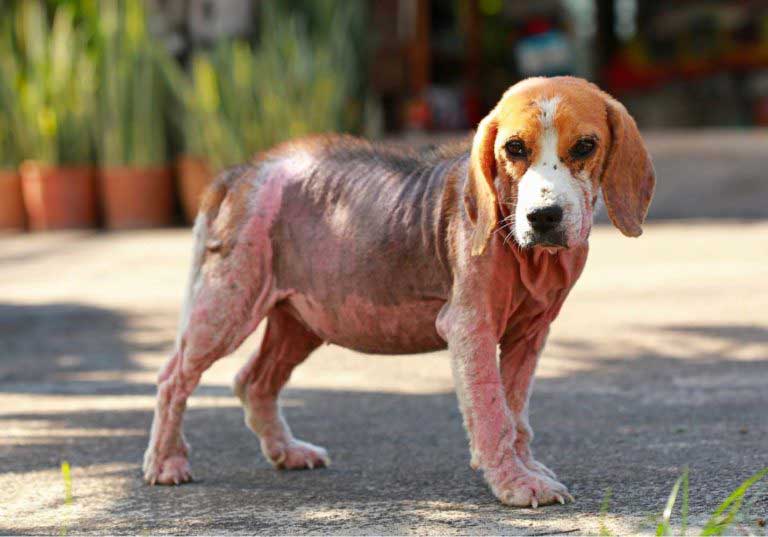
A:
(604, 506)
(685, 504)
(723, 516)
(663, 527)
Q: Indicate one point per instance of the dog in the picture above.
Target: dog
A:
(384, 250)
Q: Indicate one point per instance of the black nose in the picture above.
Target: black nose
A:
(545, 219)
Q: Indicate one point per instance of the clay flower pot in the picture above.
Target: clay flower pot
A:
(136, 198)
(11, 203)
(193, 175)
(59, 197)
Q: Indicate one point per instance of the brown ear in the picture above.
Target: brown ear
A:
(628, 178)
(482, 205)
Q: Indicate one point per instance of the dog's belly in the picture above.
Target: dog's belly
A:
(361, 325)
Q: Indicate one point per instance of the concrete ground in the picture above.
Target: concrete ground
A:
(658, 360)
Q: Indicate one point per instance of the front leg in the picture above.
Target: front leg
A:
(491, 426)
(518, 359)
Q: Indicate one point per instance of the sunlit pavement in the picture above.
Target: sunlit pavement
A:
(659, 360)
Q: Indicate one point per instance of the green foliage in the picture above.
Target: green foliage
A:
(727, 512)
(302, 77)
(604, 507)
(720, 521)
(10, 153)
(131, 97)
(46, 87)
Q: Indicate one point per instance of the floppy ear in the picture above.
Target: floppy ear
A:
(628, 178)
(480, 199)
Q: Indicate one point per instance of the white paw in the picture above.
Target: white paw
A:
(172, 470)
(522, 488)
(538, 468)
(295, 455)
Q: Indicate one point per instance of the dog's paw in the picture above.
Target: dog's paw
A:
(524, 488)
(538, 468)
(172, 470)
(295, 455)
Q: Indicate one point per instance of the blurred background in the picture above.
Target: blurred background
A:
(117, 114)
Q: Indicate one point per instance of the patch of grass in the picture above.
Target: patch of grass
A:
(604, 506)
(727, 512)
(723, 517)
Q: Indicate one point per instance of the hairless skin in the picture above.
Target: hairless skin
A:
(383, 250)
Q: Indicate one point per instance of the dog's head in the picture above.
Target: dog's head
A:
(540, 156)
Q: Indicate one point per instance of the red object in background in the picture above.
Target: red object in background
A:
(11, 202)
(537, 25)
(136, 198)
(761, 112)
(418, 114)
(59, 197)
(193, 175)
(473, 107)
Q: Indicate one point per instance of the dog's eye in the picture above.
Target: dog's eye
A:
(516, 149)
(583, 148)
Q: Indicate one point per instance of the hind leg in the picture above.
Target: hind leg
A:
(286, 344)
(222, 311)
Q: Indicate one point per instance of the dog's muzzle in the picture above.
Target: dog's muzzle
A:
(546, 226)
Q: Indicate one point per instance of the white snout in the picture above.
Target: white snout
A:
(545, 187)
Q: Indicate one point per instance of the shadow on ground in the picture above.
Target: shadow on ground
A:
(628, 421)
(41, 342)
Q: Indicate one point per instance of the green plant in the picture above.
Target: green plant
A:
(10, 153)
(300, 78)
(47, 86)
(131, 98)
(728, 512)
(604, 506)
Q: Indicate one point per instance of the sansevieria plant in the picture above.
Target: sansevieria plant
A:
(48, 88)
(131, 94)
(241, 98)
(11, 204)
(54, 84)
(131, 142)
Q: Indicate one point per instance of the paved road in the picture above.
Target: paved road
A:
(659, 360)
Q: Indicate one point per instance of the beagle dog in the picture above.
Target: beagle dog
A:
(383, 250)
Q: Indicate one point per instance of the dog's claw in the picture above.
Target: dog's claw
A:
(534, 502)
(310, 465)
(560, 499)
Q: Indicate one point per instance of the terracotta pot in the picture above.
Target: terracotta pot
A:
(136, 198)
(59, 197)
(193, 175)
(11, 202)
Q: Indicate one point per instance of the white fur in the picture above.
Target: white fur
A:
(548, 182)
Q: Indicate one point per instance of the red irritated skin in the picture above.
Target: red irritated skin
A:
(382, 250)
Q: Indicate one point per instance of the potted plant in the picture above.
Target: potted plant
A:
(136, 182)
(52, 80)
(11, 203)
(209, 140)
(239, 99)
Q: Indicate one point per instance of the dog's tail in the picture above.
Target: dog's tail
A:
(203, 241)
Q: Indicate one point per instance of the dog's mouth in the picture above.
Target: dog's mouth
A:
(554, 240)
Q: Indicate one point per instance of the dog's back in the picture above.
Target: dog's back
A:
(358, 232)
